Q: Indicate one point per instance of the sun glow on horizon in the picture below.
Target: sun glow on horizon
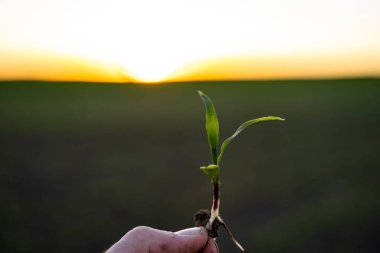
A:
(152, 41)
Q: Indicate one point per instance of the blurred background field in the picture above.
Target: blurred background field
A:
(82, 163)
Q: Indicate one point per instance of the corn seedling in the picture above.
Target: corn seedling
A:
(212, 220)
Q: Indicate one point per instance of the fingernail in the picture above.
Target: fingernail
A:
(192, 231)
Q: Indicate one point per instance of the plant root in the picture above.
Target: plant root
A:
(202, 218)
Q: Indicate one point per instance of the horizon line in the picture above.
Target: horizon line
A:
(337, 78)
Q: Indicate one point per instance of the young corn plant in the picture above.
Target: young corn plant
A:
(211, 220)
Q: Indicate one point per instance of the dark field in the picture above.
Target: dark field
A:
(81, 164)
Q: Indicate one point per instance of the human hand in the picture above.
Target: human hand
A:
(150, 240)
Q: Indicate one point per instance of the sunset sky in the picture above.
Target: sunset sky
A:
(148, 41)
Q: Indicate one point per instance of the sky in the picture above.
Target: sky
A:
(153, 40)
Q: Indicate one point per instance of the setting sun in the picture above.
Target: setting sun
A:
(152, 41)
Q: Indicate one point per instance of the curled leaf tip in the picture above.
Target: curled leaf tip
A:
(270, 118)
(213, 171)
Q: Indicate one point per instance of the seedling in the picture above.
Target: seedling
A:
(211, 220)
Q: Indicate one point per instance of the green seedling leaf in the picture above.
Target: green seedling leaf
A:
(212, 125)
(241, 128)
(213, 171)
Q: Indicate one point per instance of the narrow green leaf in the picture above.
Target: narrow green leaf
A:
(212, 125)
(241, 128)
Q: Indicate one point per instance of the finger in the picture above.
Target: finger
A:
(211, 247)
(145, 239)
(189, 240)
(193, 231)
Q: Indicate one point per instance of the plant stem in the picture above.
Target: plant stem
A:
(214, 154)
(216, 199)
(215, 204)
(215, 217)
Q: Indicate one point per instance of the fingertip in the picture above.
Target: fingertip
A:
(193, 231)
(194, 239)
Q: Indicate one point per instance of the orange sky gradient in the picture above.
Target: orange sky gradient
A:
(167, 40)
(29, 66)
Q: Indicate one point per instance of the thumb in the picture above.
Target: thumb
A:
(195, 240)
(145, 239)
